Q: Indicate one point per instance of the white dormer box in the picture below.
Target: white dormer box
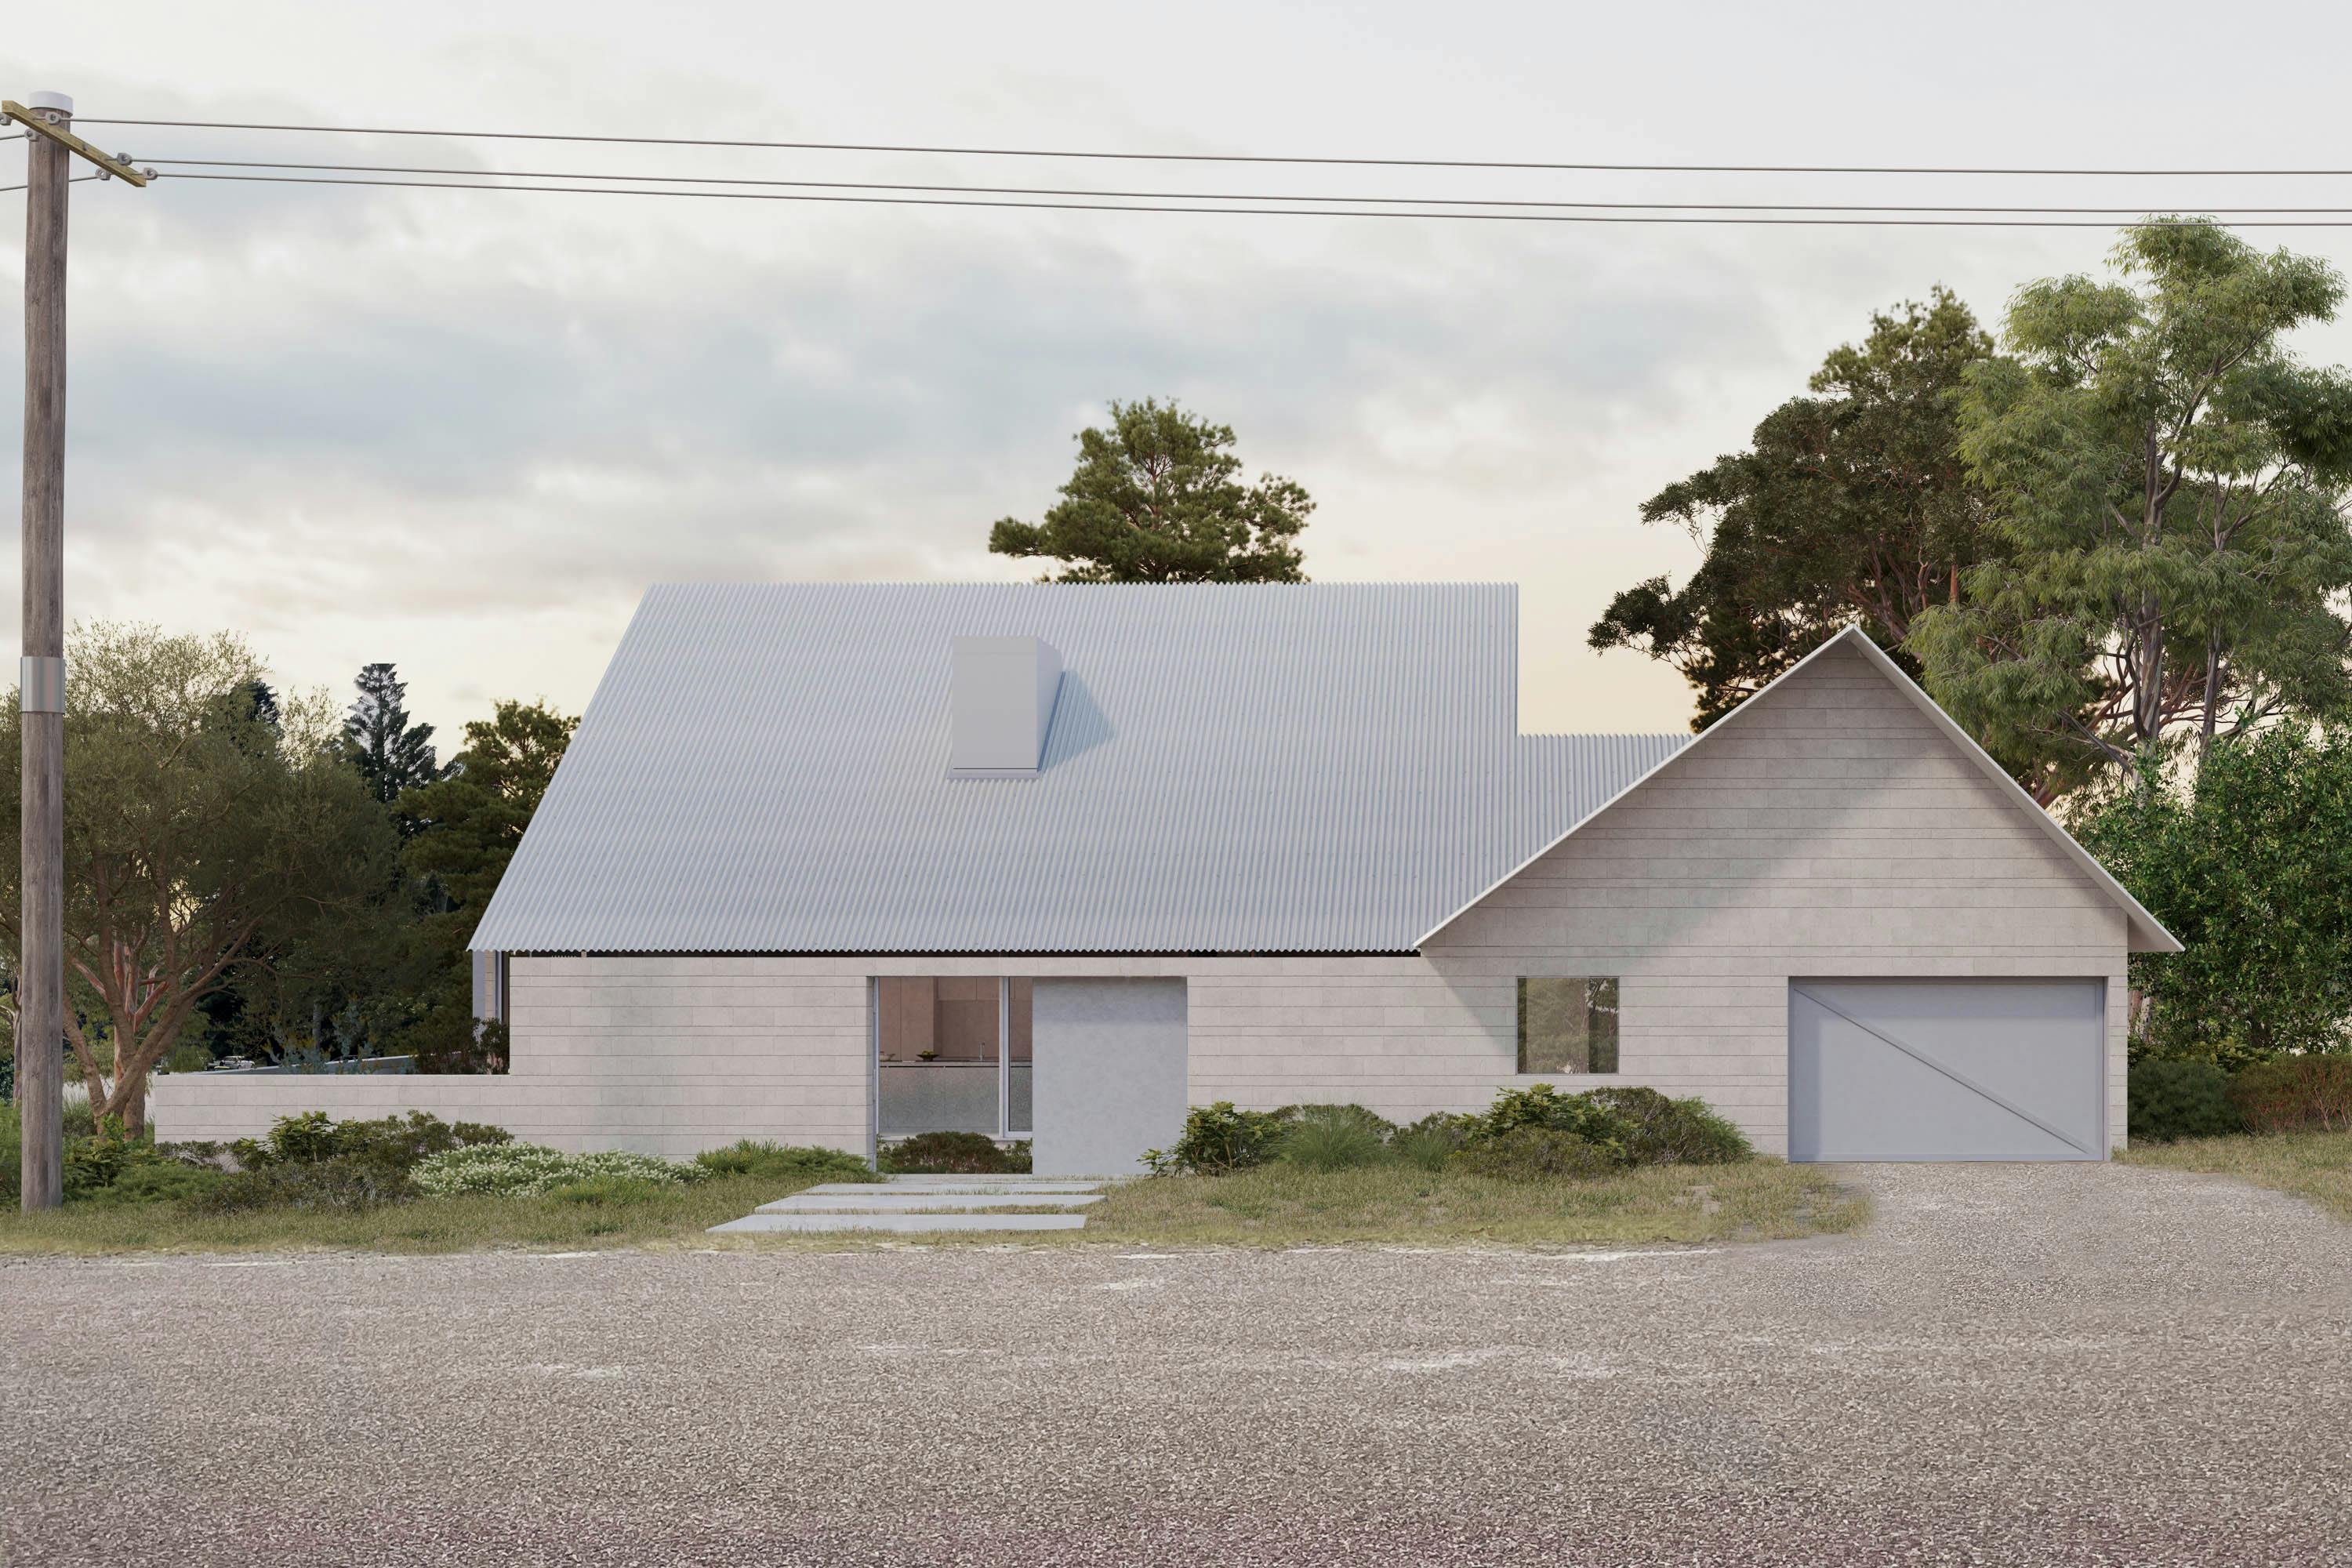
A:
(1001, 705)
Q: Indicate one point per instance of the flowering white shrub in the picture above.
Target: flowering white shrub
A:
(526, 1170)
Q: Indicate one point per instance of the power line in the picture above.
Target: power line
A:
(75, 180)
(1246, 211)
(1204, 157)
(1172, 195)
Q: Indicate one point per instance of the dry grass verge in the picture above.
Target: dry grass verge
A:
(2314, 1165)
(425, 1225)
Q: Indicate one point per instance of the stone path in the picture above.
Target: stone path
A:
(927, 1203)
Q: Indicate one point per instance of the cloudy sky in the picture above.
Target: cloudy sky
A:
(463, 431)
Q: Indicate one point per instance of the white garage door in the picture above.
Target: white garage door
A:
(1947, 1069)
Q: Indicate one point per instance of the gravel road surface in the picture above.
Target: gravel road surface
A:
(2011, 1365)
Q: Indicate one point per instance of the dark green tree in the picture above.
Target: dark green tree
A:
(1850, 507)
(1157, 498)
(390, 752)
(471, 820)
(2250, 867)
(200, 838)
(2166, 480)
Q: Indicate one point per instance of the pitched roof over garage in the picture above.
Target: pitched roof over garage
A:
(1318, 768)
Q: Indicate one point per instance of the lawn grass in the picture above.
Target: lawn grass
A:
(1283, 1206)
(2313, 1165)
(425, 1225)
(1277, 1205)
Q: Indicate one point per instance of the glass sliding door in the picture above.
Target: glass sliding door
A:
(951, 1054)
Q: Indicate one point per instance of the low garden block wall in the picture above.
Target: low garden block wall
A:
(576, 1114)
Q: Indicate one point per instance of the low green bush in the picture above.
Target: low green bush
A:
(1335, 1138)
(1220, 1138)
(1431, 1141)
(158, 1181)
(785, 1162)
(1543, 1105)
(396, 1141)
(2293, 1094)
(345, 1182)
(528, 1169)
(1531, 1152)
(93, 1164)
(2187, 1097)
(954, 1154)
(1664, 1131)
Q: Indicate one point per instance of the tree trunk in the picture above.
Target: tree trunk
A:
(2212, 695)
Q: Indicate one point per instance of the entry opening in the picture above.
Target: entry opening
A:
(953, 1054)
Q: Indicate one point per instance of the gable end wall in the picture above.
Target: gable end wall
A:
(1828, 830)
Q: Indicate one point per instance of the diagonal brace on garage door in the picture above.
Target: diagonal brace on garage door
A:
(1961, 1079)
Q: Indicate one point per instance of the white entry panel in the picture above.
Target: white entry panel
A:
(1109, 1076)
(1947, 1069)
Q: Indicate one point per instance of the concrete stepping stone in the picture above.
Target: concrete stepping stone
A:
(900, 1221)
(869, 1189)
(890, 1203)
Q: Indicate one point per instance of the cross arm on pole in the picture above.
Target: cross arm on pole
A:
(32, 120)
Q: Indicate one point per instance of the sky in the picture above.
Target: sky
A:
(462, 431)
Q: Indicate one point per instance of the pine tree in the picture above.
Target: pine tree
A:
(391, 753)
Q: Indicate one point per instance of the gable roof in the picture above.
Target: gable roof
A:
(1230, 768)
(2148, 933)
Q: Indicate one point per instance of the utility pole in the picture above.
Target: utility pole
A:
(49, 150)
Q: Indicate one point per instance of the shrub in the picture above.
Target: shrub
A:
(1533, 1152)
(343, 1183)
(1431, 1141)
(1218, 1138)
(1335, 1138)
(1543, 1105)
(2180, 1097)
(93, 1164)
(1664, 1131)
(785, 1162)
(528, 1169)
(394, 1140)
(2290, 1094)
(158, 1181)
(954, 1154)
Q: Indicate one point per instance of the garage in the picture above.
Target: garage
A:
(1947, 1069)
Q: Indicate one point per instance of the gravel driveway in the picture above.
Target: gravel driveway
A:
(2013, 1365)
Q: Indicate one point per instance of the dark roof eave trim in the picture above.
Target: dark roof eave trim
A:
(960, 952)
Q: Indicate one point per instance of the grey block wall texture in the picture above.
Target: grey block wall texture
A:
(1829, 830)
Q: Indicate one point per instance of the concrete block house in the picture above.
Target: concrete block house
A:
(838, 863)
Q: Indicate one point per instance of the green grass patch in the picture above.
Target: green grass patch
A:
(1284, 1205)
(608, 1212)
(2313, 1165)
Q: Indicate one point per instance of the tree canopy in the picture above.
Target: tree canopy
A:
(1850, 507)
(473, 818)
(203, 826)
(2251, 868)
(2165, 479)
(1157, 498)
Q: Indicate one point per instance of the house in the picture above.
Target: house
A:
(828, 864)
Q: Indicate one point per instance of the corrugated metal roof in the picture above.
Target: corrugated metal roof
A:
(1314, 768)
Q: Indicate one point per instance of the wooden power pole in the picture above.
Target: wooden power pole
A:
(50, 150)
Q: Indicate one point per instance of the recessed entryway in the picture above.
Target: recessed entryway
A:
(1947, 1069)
